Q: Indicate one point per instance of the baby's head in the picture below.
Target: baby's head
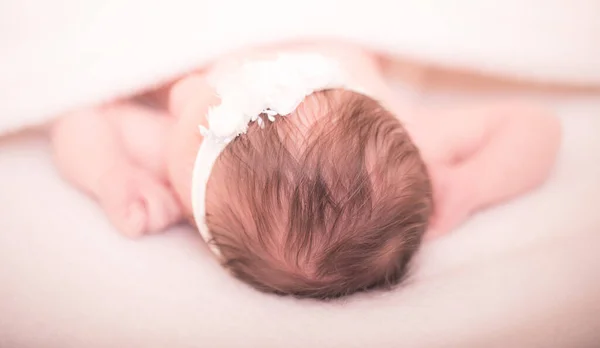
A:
(329, 200)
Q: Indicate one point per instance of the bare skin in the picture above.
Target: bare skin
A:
(137, 162)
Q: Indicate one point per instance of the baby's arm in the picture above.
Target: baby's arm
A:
(485, 155)
(91, 152)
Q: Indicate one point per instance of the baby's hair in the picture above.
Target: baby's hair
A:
(330, 200)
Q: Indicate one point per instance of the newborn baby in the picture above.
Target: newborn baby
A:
(294, 164)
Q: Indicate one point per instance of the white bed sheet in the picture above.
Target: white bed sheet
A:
(526, 274)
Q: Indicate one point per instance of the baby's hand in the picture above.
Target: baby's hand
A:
(485, 155)
(137, 202)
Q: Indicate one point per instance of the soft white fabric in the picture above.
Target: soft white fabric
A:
(526, 274)
(62, 53)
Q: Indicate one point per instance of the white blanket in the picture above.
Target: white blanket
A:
(526, 274)
(62, 53)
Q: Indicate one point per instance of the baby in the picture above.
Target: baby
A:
(294, 165)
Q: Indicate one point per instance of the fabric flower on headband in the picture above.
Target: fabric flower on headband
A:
(273, 87)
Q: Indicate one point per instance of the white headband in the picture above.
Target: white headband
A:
(273, 87)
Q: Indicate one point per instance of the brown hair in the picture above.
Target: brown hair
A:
(320, 205)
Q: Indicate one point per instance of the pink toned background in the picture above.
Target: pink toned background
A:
(525, 274)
